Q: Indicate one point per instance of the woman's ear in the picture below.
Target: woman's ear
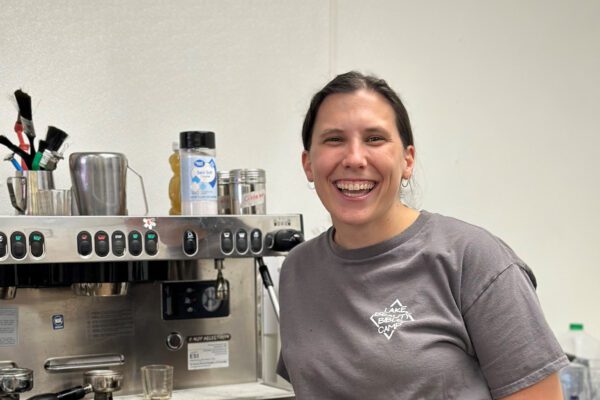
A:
(409, 159)
(307, 165)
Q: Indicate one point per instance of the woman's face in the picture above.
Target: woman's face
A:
(357, 158)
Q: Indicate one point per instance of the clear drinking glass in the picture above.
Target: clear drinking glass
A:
(157, 381)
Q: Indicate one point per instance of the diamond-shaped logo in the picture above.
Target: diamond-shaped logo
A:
(391, 318)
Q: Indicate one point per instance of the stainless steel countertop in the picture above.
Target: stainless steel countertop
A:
(246, 391)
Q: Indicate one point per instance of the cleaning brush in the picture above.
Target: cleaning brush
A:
(24, 102)
(28, 158)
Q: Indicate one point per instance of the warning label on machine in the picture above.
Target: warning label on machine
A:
(8, 326)
(208, 351)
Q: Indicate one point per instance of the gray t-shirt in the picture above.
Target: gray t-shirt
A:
(445, 310)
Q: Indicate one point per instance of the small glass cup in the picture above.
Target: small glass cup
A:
(157, 381)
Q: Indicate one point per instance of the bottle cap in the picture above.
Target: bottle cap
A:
(575, 327)
(196, 139)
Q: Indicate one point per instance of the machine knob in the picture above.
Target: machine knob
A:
(241, 241)
(284, 240)
(226, 242)
(174, 341)
(256, 240)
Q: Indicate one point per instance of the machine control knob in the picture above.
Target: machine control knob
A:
(84, 243)
(18, 245)
(284, 240)
(101, 243)
(36, 243)
(190, 243)
(256, 240)
(151, 241)
(118, 243)
(241, 241)
(3, 245)
(174, 341)
(226, 242)
(135, 243)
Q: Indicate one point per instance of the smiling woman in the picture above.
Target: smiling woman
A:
(392, 302)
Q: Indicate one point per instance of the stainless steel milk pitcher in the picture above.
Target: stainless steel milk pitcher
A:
(24, 187)
(100, 183)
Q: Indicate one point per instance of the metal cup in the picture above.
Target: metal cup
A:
(23, 189)
(54, 202)
(100, 182)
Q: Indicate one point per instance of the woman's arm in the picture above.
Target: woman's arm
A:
(547, 389)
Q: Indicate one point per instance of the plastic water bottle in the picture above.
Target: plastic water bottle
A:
(580, 344)
(199, 192)
(575, 382)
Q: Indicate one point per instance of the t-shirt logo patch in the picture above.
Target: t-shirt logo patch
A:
(391, 318)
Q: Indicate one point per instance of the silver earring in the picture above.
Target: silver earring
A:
(310, 185)
(404, 183)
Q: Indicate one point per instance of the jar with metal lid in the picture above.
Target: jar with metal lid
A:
(247, 191)
(223, 182)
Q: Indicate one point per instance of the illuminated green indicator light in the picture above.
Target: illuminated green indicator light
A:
(18, 237)
(37, 237)
(151, 236)
(135, 235)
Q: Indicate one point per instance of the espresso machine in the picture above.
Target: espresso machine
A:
(82, 294)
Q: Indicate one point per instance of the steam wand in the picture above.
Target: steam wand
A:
(221, 287)
(266, 277)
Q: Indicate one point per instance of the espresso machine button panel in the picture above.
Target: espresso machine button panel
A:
(84, 243)
(36, 244)
(18, 245)
(3, 245)
(118, 243)
(151, 242)
(139, 238)
(135, 243)
(101, 243)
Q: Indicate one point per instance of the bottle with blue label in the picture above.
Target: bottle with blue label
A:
(199, 190)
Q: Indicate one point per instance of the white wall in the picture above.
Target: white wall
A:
(503, 98)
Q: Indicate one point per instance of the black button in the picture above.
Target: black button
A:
(3, 245)
(256, 240)
(241, 241)
(101, 243)
(18, 245)
(118, 243)
(36, 243)
(151, 240)
(190, 245)
(84, 243)
(135, 243)
(226, 242)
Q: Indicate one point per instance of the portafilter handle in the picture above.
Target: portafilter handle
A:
(75, 393)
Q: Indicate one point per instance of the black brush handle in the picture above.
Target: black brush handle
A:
(17, 150)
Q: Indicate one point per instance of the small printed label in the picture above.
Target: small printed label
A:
(58, 321)
(255, 198)
(8, 326)
(208, 351)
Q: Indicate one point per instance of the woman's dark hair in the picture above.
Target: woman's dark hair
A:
(351, 82)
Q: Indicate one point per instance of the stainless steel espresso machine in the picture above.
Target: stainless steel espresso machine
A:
(94, 293)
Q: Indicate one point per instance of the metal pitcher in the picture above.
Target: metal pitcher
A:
(100, 183)
(24, 187)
